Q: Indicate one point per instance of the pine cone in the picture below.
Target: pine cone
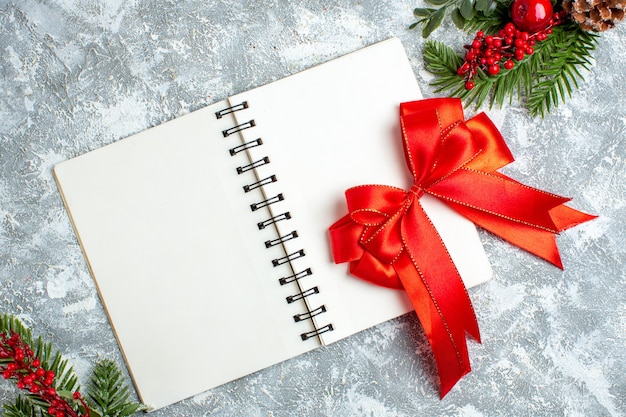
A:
(595, 15)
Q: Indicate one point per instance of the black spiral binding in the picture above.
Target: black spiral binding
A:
(302, 295)
(246, 146)
(317, 332)
(267, 202)
(228, 110)
(283, 216)
(305, 316)
(263, 161)
(288, 258)
(281, 240)
(259, 183)
(238, 128)
(295, 277)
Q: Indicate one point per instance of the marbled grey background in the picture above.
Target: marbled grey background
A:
(79, 74)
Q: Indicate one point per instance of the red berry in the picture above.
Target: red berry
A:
(531, 15)
(463, 68)
(476, 44)
(519, 55)
(529, 51)
(493, 69)
(480, 34)
(489, 40)
(509, 28)
(469, 85)
(497, 43)
(509, 64)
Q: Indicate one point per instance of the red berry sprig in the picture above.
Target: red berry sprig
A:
(18, 362)
(510, 45)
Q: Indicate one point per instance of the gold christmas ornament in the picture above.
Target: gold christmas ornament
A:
(595, 15)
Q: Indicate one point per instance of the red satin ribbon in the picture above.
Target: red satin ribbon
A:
(390, 241)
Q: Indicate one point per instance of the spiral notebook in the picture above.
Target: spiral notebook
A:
(207, 235)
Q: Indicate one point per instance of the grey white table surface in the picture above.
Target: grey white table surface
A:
(79, 74)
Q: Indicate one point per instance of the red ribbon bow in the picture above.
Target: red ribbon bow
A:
(389, 239)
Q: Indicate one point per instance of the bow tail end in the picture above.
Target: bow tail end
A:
(565, 217)
(446, 335)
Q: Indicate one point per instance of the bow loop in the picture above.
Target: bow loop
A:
(435, 145)
(382, 199)
(379, 209)
(496, 154)
(420, 138)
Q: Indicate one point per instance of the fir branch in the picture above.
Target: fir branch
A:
(443, 61)
(107, 392)
(557, 74)
(22, 407)
(440, 59)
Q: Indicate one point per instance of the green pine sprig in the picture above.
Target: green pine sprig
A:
(108, 394)
(541, 81)
(567, 51)
(22, 407)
